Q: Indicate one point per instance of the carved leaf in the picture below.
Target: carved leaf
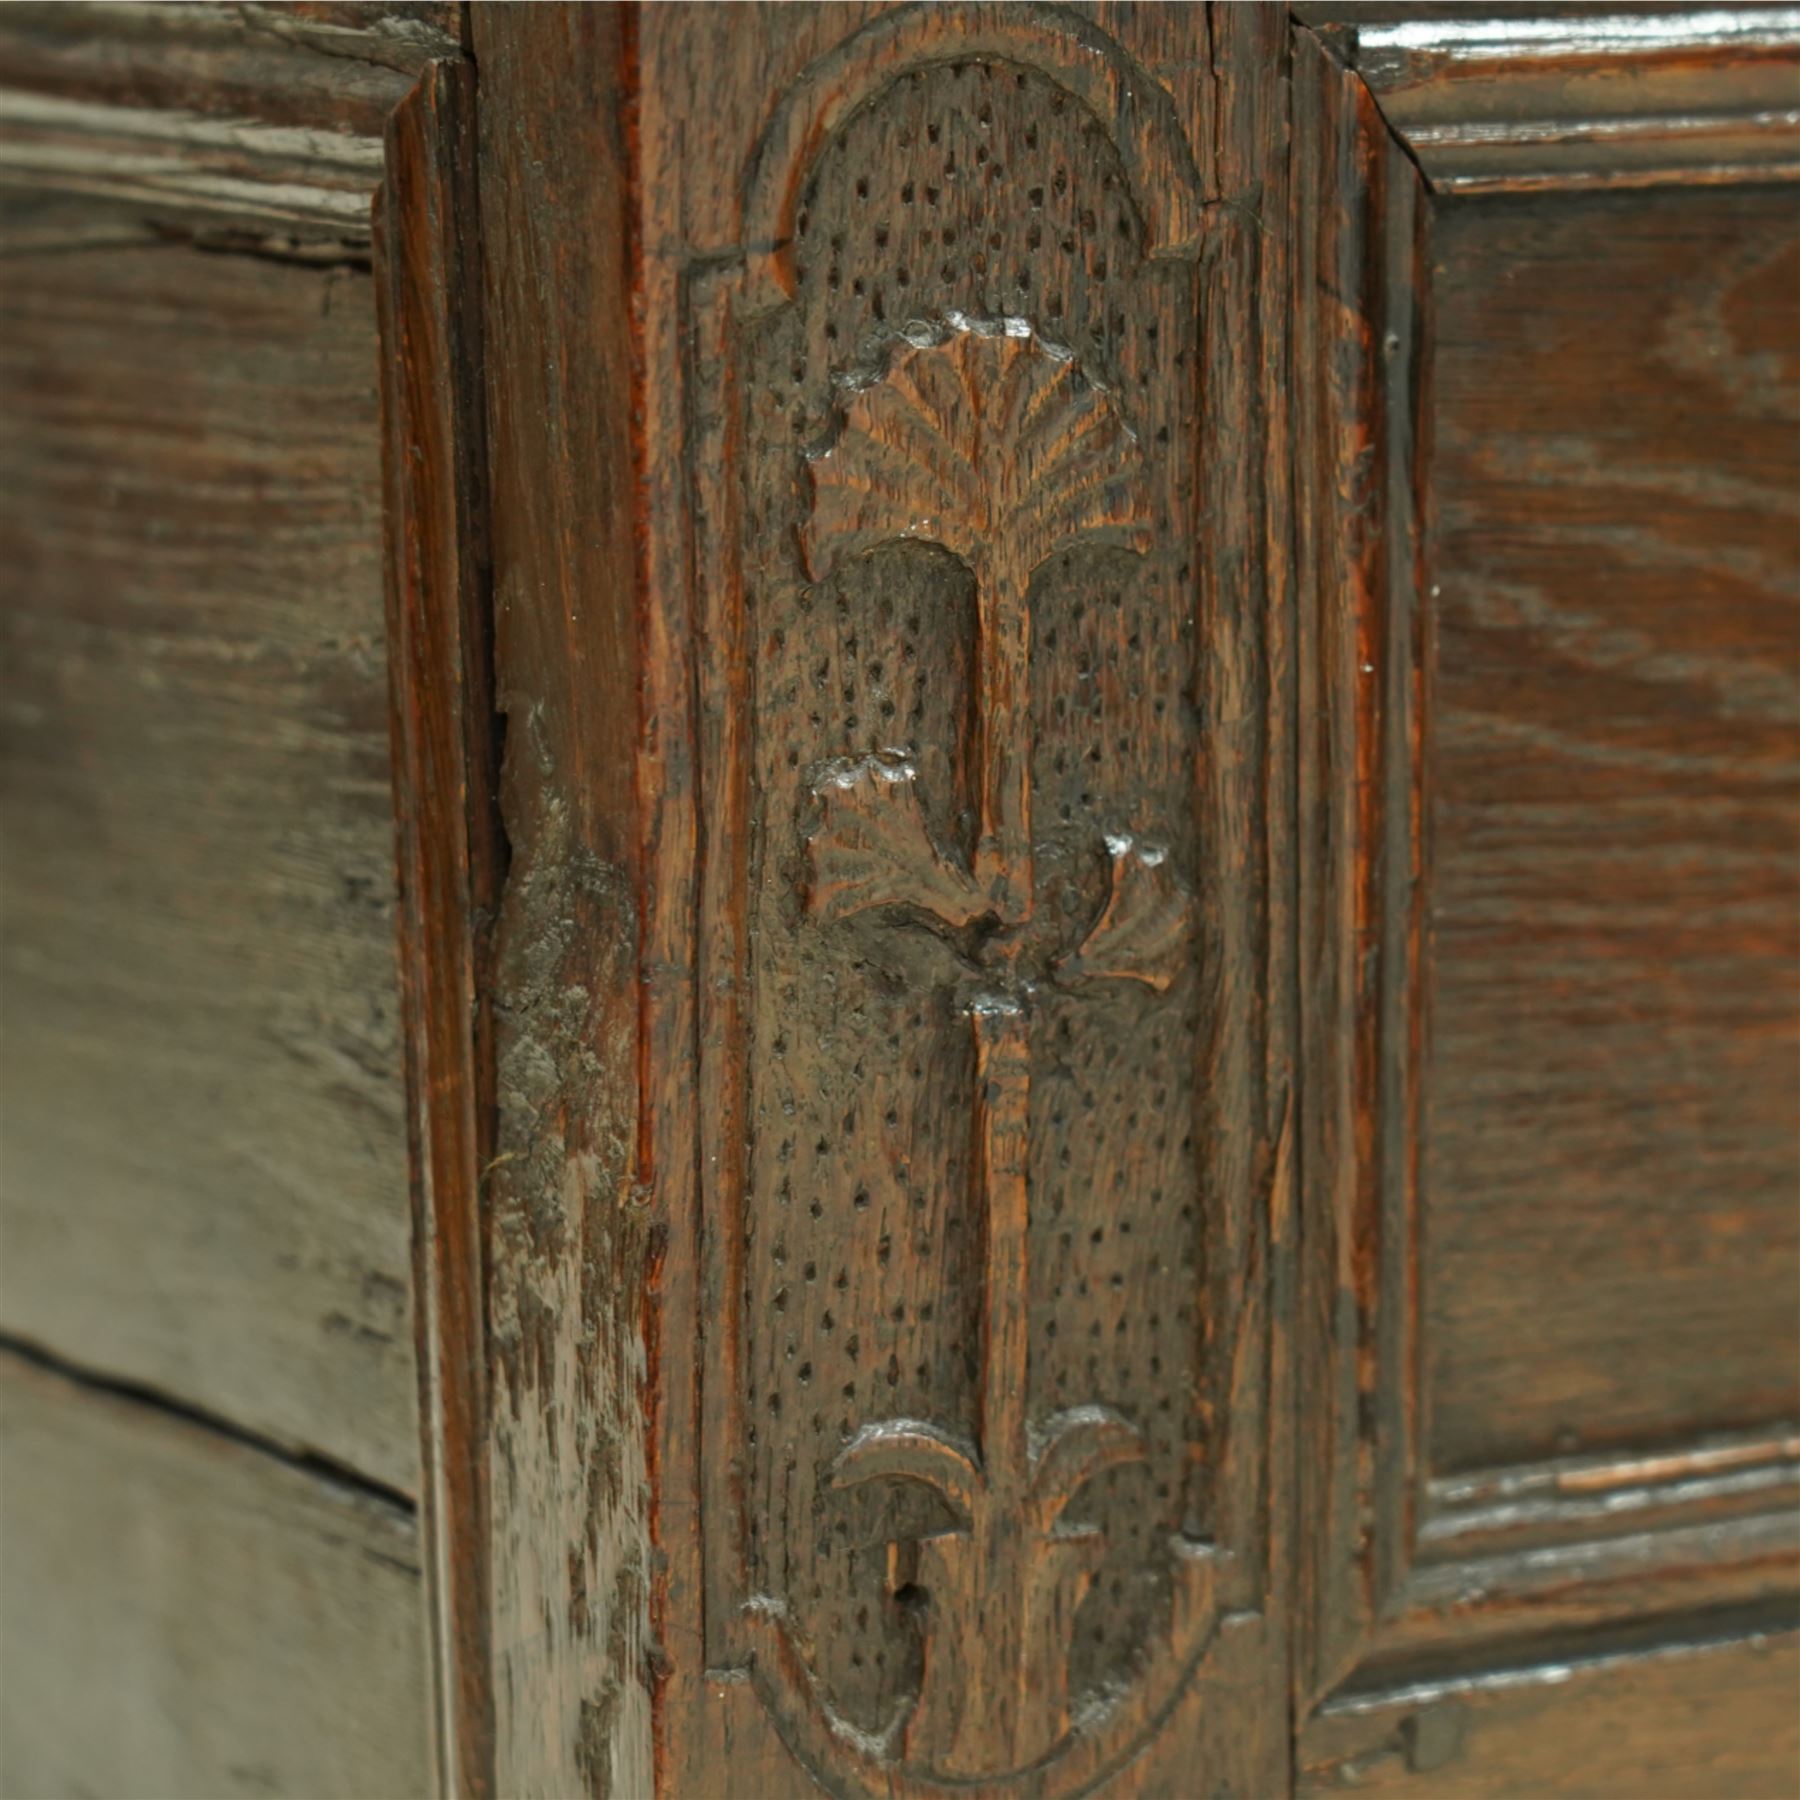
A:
(912, 1450)
(1077, 1446)
(987, 443)
(1142, 935)
(872, 849)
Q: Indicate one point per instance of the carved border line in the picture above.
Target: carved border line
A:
(1358, 265)
(1137, 112)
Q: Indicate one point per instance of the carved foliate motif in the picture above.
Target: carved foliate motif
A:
(995, 447)
(971, 1456)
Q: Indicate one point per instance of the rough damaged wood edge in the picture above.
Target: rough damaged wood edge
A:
(396, 34)
(249, 117)
(450, 848)
(1359, 259)
(1635, 97)
(575, 1253)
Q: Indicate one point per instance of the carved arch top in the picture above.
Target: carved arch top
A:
(1128, 102)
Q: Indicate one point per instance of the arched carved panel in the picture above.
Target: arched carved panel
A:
(973, 1299)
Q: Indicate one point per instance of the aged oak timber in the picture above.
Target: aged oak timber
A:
(1088, 721)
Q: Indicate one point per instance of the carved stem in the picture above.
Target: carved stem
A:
(1003, 855)
(1002, 1119)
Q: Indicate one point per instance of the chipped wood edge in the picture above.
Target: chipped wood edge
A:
(577, 1242)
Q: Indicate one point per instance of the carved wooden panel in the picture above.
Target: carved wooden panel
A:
(967, 969)
(983, 1360)
(972, 1014)
(944, 770)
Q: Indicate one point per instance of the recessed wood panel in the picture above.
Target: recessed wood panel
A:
(1611, 1227)
(204, 1181)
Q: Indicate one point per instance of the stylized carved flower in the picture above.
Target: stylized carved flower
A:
(988, 442)
(984, 439)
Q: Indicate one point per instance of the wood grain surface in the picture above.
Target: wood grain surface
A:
(451, 848)
(203, 1186)
(1612, 1242)
(1548, 906)
(183, 1614)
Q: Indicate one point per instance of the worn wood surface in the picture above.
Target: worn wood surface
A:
(250, 119)
(572, 1252)
(203, 1186)
(1615, 890)
(181, 1613)
(1688, 1722)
